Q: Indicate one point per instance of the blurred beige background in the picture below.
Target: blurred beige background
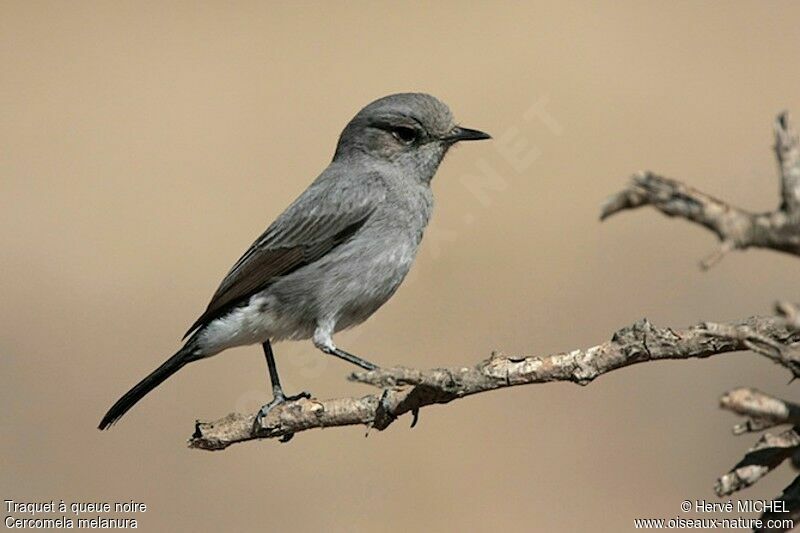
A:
(146, 144)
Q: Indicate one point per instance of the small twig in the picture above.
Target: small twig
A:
(790, 312)
(715, 257)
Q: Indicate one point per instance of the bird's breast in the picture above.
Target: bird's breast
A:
(374, 278)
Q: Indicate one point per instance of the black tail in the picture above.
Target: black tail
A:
(156, 377)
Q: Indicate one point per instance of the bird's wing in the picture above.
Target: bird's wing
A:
(323, 217)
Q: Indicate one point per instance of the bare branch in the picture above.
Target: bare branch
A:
(764, 411)
(735, 227)
(740, 229)
(777, 351)
(407, 390)
(768, 453)
(787, 150)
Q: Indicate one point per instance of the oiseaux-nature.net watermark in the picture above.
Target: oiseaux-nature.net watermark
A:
(775, 508)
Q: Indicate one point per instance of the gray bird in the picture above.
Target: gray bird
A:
(337, 253)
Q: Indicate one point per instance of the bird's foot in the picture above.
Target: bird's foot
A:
(277, 399)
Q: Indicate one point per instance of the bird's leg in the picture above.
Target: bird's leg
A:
(324, 342)
(350, 358)
(278, 396)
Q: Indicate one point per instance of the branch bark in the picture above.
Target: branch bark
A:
(736, 228)
(762, 410)
(767, 454)
(407, 390)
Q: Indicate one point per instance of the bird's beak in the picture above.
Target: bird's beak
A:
(465, 134)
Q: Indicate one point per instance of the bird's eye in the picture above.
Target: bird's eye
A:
(404, 135)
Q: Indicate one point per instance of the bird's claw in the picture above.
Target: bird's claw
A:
(415, 415)
(277, 400)
(385, 408)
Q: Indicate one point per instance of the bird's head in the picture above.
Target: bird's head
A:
(412, 131)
